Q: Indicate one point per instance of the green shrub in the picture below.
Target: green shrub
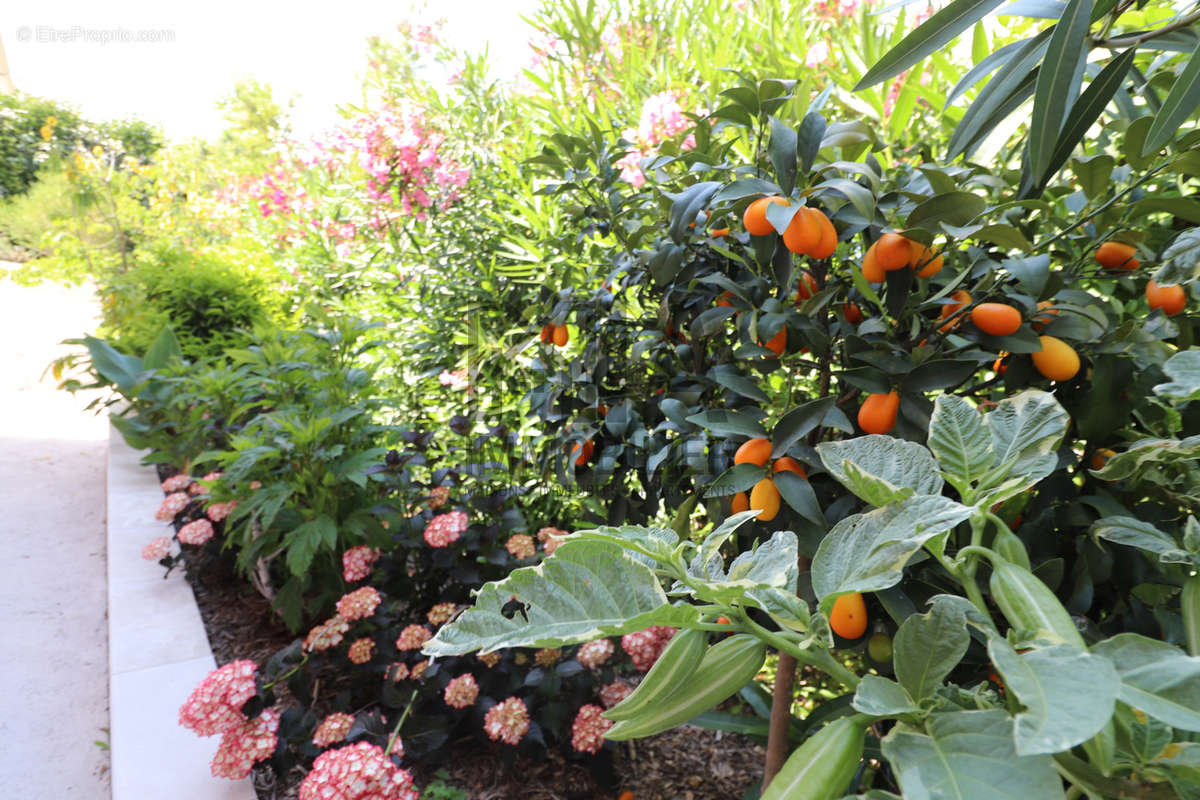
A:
(205, 300)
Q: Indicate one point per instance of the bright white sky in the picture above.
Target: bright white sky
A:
(317, 54)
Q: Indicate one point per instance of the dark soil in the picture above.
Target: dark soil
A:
(682, 764)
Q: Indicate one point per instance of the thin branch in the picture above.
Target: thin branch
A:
(1138, 38)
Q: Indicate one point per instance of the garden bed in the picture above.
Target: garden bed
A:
(686, 762)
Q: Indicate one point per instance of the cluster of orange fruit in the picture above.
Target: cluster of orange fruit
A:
(810, 233)
(1118, 255)
(764, 496)
(556, 334)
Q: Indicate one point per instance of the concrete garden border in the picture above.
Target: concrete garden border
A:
(157, 652)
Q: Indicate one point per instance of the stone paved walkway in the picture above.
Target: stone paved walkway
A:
(53, 600)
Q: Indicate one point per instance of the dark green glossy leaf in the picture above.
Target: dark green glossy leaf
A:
(1181, 103)
(1058, 82)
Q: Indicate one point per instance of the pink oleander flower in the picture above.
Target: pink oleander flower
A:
(593, 654)
(441, 613)
(333, 729)
(547, 656)
(413, 637)
(817, 54)
(438, 496)
(176, 483)
(157, 550)
(418, 670)
(445, 529)
(457, 380)
(172, 504)
(359, 771)
(551, 538)
(461, 692)
(398, 671)
(326, 635)
(644, 647)
(361, 650)
(219, 511)
(507, 722)
(357, 562)
(216, 704)
(615, 692)
(255, 485)
(521, 546)
(242, 747)
(196, 533)
(490, 659)
(587, 732)
(359, 604)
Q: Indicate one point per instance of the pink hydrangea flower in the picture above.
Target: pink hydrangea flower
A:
(418, 670)
(244, 746)
(413, 637)
(157, 550)
(333, 729)
(359, 604)
(461, 692)
(196, 533)
(172, 504)
(615, 692)
(196, 490)
(551, 538)
(361, 650)
(445, 529)
(587, 732)
(359, 771)
(547, 656)
(398, 671)
(521, 546)
(357, 562)
(216, 704)
(219, 511)
(593, 654)
(176, 483)
(644, 647)
(326, 635)
(438, 496)
(507, 722)
(441, 613)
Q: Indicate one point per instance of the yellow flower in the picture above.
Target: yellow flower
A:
(97, 151)
(47, 132)
(51, 120)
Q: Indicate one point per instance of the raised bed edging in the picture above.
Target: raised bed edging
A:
(157, 652)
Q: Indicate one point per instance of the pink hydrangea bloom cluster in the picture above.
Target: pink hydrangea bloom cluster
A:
(521, 546)
(196, 533)
(413, 637)
(361, 650)
(333, 729)
(176, 483)
(587, 732)
(418, 670)
(662, 118)
(157, 550)
(461, 692)
(326, 635)
(441, 613)
(216, 704)
(615, 692)
(644, 647)
(593, 654)
(172, 504)
(359, 604)
(507, 722)
(398, 671)
(445, 529)
(438, 496)
(219, 511)
(359, 771)
(242, 747)
(357, 562)
(550, 538)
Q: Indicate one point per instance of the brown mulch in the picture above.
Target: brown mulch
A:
(682, 764)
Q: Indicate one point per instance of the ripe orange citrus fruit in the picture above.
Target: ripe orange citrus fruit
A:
(1117, 255)
(924, 260)
(848, 617)
(1057, 360)
(740, 503)
(756, 451)
(561, 336)
(755, 218)
(584, 451)
(718, 233)
(1046, 314)
(829, 238)
(807, 287)
(853, 313)
(547, 334)
(892, 251)
(996, 319)
(1171, 298)
(1101, 457)
(962, 298)
(724, 299)
(878, 412)
(789, 464)
(778, 343)
(870, 267)
(764, 498)
(804, 232)
(999, 366)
